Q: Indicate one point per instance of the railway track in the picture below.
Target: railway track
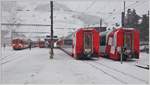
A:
(9, 58)
(113, 72)
(124, 77)
(122, 72)
(109, 74)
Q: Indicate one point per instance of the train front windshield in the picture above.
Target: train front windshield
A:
(16, 41)
(87, 42)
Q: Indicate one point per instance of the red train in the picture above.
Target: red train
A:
(85, 43)
(41, 44)
(82, 44)
(48, 41)
(18, 44)
(121, 43)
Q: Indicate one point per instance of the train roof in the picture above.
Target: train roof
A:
(114, 30)
(69, 36)
(86, 28)
(105, 32)
(20, 38)
(127, 28)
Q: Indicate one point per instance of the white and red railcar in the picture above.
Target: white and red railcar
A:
(85, 43)
(121, 43)
(18, 44)
(41, 44)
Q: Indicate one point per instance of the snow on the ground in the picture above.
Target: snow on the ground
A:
(6, 52)
(127, 67)
(144, 59)
(34, 66)
(26, 64)
(71, 72)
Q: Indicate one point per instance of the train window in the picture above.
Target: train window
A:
(14, 41)
(55, 37)
(113, 41)
(87, 40)
(110, 41)
(68, 42)
(20, 41)
(103, 40)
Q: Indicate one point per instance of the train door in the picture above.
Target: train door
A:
(103, 43)
(88, 44)
(128, 41)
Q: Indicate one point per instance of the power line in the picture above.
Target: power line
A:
(120, 10)
(30, 32)
(90, 6)
(137, 4)
(12, 24)
(134, 4)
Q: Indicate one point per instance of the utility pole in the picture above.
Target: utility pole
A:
(123, 24)
(51, 43)
(123, 14)
(122, 19)
(124, 6)
(100, 24)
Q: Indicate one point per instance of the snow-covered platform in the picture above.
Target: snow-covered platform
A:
(34, 67)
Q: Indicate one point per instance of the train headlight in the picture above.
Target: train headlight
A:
(20, 45)
(119, 49)
(128, 51)
(87, 50)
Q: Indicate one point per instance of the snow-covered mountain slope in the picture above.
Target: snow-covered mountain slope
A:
(65, 20)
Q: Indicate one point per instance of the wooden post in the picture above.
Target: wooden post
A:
(122, 19)
(51, 46)
(123, 15)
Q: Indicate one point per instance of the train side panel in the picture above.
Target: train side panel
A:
(124, 42)
(136, 43)
(96, 40)
(112, 44)
(78, 44)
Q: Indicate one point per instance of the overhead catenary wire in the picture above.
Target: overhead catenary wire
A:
(133, 4)
(89, 6)
(117, 12)
(14, 24)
